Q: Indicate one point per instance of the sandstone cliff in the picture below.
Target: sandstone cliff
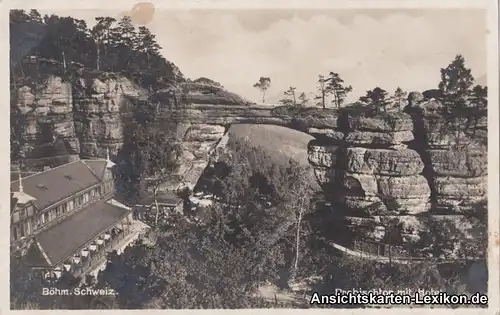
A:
(456, 155)
(42, 123)
(380, 170)
(389, 169)
(102, 105)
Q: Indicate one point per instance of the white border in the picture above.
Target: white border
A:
(493, 94)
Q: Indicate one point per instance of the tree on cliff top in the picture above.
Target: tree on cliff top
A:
(101, 34)
(304, 101)
(457, 91)
(456, 82)
(377, 98)
(106, 47)
(337, 88)
(263, 85)
(400, 97)
(290, 98)
(322, 90)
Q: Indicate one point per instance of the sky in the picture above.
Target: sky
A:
(368, 48)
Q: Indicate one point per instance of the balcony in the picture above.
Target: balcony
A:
(86, 258)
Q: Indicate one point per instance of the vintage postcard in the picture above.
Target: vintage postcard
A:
(252, 155)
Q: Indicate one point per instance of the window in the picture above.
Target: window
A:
(30, 210)
(71, 205)
(57, 211)
(21, 230)
(27, 227)
(15, 217)
(15, 233)
(46, 217)
(22, 213)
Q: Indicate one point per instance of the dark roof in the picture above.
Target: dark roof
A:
(165, 198)
(97, 166)
(35, 257)
(71, 234)
(14, 175)
(57, 183)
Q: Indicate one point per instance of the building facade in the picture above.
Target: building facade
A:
(65, 219)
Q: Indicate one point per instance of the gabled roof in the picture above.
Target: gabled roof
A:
(35, 257)
(72, 234)
(57, 183)
(14, 175)
(97, 166)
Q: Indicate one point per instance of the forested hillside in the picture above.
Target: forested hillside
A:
(108, 46)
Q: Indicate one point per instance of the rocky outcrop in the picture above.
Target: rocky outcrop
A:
(42, 123)
(375, 162)
(325, 150)
(380, 172)
(456, 155)
(198, 143)
(102, 103)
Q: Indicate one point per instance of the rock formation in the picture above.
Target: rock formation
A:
(456, 155)
(380, 168)
(42, 121)
(102, 103)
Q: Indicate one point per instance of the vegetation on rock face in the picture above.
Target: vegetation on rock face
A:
(109, 46)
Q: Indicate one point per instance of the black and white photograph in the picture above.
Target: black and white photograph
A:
(251, 158)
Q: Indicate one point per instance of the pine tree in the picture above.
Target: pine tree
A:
(303, 100)
(456, 89)
(377, 98)
(263, 85)
(291, 93)
(336, 87)
(399, 97)
(322, 90)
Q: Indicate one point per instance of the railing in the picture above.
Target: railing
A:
(87, 262)
(392, 253)
(382, 249)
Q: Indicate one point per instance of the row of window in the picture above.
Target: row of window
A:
(62, 209)
(23, 221)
